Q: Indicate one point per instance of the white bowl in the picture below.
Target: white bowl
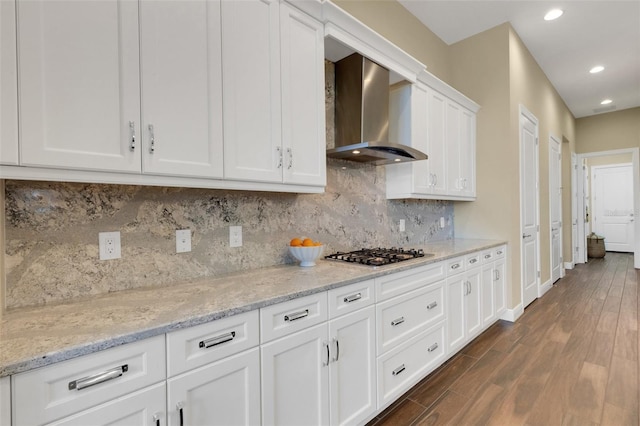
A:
(306, 255)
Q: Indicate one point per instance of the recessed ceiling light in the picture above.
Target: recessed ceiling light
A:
(606, 102)
(597, 69)
(356, 151)
(553, 14)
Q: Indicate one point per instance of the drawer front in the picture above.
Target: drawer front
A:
(488, 256)
(50, 393)
(350, 298)
(401, 369)
(288, 317)
(455, 265)
(196, 346)
(472, 260)
(500, 252)
(405, 316)
(396, 284)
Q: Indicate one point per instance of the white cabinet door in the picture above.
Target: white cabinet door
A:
(437, 142)
(142, 408)
(473, 309)
(295, 379)
(303, 106)
(500, 290)
(251, 86)
(352, 368)
(223, 393)
(181, 88)
(452, 131)
(488, 295)
(456, 294)
(467, 153)
(79, 84)
(5, 401)
(8, 84)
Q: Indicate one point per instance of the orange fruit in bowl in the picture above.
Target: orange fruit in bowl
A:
(317, 244)
(307, 242)
(296, 242)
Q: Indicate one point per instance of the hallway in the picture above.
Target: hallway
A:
(570, 359)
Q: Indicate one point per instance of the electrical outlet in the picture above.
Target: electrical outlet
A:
(442, 222)
(183, 240)
(235, 236)
(401, 225)
(109, 244)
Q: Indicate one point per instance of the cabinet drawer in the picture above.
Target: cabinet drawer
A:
(402, 317)
(350, 298)
(455, 265)
(472, 260)
(50, 393)
(196, 346)
(488, 256)
(396, 284)
(402, 368)
(288, 317)
(500, 252)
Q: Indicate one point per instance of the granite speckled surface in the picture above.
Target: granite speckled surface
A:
(37, 336)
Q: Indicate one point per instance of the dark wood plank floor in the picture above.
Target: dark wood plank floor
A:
(570, 359)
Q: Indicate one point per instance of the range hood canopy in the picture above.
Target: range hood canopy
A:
(362, 115)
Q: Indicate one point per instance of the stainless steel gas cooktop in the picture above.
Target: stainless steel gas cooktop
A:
(378, 256)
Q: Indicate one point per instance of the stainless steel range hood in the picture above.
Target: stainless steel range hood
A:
(362, 115)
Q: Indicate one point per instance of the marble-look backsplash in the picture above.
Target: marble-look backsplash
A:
(52, 228)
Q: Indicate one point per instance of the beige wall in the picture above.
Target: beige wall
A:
(605, 132)
(391, 20)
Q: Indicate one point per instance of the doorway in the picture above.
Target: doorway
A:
(612, 201)
(555, 208)
(529, 202)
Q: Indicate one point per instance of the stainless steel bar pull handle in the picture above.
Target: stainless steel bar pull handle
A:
(525, 236)
(296, 316)
(132, 130)
(326, 345)
(290, 152)
(96, 379)
(499, 252)
(472, 261)
(215, 341)
(397, 321)
(353, 298)
(455, 266)
(432, 347)
(279, 152)
(487, 256)
(180, 408)
(398, 370)
(152, 140)
(337, 344)
(432, 305)
(156, 419)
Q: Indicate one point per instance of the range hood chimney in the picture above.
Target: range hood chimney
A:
(362, 115)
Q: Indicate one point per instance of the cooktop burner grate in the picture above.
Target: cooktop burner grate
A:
(377, 256)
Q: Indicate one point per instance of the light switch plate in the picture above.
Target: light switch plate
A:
(235, 236)
(442, 222)
(401, 225)
(183, 240)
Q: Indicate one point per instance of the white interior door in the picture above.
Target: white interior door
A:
(555, 208)
(574, 211)
(612, 200)
(529, 205)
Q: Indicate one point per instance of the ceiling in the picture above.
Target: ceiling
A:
(590, 33)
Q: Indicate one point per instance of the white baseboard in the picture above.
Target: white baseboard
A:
(569, 265)
(513, 314)
(545, 288)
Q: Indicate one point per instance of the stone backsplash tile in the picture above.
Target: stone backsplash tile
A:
(52, 230)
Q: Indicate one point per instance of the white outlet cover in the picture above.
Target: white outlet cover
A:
(109, 245)
(235, 236)
(401, 226)
(183, 240)
(442, 222)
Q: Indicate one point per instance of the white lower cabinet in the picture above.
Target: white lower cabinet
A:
(226, 392)
(488, 295)
(295, 379)
(499, 287)
(464, 316)
(142, 408)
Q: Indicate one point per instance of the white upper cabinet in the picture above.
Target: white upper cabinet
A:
(8, 85)
(181, 74)
(436, 119)
(79, 84)
(251, 86)
(303, 103)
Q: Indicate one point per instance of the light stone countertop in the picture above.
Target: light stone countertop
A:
(38, 336)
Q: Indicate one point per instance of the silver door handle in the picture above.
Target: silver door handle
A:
(432, 305)
(132, 130)
(180, 408)
(398, 370)
(152, 140)
(472, 261)
(525, 236)
(337, 357)
(326, 345)
(96, 379)
(279, 152)
(215, 341)
(353, 298)
(432, 347)
(290, 152)
(296, 316)
(397, 321)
